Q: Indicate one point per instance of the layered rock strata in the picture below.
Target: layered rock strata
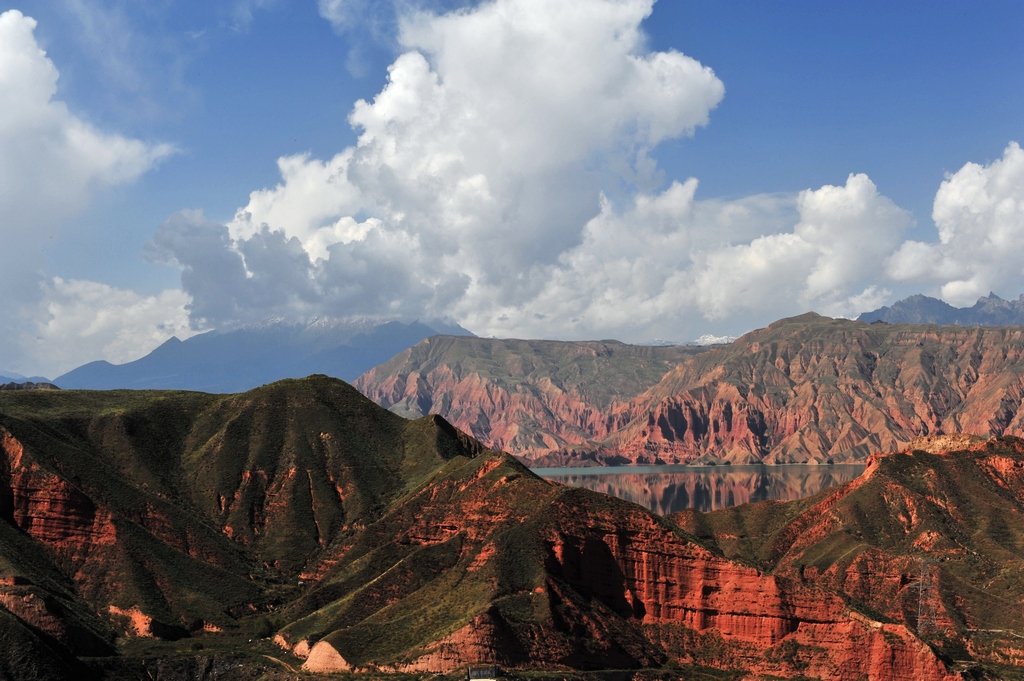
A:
(806, 389)
(372, 543)
(928, 537)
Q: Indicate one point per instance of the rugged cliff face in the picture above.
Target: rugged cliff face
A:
(493, 565)
(521, 396)
(802, 390)
(929, 537)
(370, 543)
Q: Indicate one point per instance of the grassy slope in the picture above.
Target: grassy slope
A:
(120, 451)
(955, 507)
(294, 472)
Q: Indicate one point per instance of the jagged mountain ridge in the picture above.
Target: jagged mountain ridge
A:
(957, 501)
(375, 542)
(243, 357)
(804, 389)
(521, 395)
(990, 310)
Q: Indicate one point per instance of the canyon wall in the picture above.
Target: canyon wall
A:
(806, 389)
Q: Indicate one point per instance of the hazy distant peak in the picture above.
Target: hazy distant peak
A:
(243, 356)
(990, 310)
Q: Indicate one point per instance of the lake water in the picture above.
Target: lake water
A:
(667, 489)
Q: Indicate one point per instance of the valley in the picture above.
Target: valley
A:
(141, 529)
(301, 528)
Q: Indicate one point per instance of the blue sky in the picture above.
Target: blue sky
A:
(904, 94)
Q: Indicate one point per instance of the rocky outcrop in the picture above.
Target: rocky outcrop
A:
(807, 389)
(324, 658)
(28, 385)
(923, 538)
(378, 544)
(771, 625)
(521, 396)
(45, 506)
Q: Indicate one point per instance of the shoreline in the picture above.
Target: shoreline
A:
(662, 469)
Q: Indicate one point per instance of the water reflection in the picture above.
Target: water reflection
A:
(667, 489)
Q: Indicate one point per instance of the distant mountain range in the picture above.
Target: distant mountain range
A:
(988, 311)
(14, 377)
(244, 357)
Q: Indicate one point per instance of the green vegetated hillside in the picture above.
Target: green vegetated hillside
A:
(186, 510)
(161, 534)
(805, 389)
(950, 509)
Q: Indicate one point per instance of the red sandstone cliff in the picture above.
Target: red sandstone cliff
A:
(953, 501)
(577, 579)
(383, 544)
(521, 396)
(804, 389)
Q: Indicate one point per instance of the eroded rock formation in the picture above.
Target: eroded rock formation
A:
(806, 389)
(383, 544)
(929, 537)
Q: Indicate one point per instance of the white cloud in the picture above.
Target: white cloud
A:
(343, 14)
(477, 190)
(50, 160)
(829, 262)
(485, 152)
(671, 262)
(979, 212)
(51, 164)
(81, 321)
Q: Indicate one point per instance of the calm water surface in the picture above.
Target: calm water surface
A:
(667, 489)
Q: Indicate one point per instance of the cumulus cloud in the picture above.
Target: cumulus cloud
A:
(51, 164)
(50, 160)
(479, 163)
(828, 262)
(979, 213)
(81, 321)
(269, 274)
(502, 177)
(671, 262)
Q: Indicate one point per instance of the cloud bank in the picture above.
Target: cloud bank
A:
(979, 212)
(502, 177)
(51, 164)
(476, 169)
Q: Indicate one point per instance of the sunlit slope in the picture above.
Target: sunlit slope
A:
(959, 506)
(804, 389)
(488, 563)
(521, 396)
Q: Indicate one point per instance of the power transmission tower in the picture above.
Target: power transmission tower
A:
(927, 595)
